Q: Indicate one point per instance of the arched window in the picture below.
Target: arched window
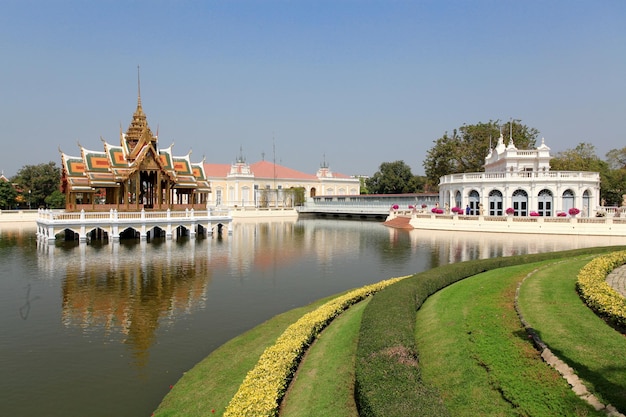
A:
(245, 195)
(495, 203)
(520, 203)
(568, 200)
(545, 203)
(585, 211)
(458, 200)
(474, 200)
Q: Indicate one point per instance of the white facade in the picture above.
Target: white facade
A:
(521, 180)
(266, 184)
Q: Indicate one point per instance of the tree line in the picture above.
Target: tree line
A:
(32, 187)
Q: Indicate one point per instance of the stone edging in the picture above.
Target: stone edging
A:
(565, 370)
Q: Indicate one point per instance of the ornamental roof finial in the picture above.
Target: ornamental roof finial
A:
(138, 88)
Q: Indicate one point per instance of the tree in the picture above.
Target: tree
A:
(615, 182)
(393, 178)
(38, 182)
(465, 150)
(583, 158)
(7, 195)
(363, 186)
(55, 200)
(616, 158)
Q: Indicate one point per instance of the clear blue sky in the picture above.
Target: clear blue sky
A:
(356, 83)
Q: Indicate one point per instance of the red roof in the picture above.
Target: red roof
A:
(217, 170)
(266, 169)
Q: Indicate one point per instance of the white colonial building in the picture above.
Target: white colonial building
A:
(266, 184)
(521, 180)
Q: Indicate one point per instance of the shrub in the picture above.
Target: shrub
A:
(597, 293)
(573, 211)
(265, 385)
(510, 210)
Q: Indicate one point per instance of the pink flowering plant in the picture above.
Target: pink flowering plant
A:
(534, 214)
(561, 214)
(510, 210)
(458, 210)
(573, 211)
(395, 207)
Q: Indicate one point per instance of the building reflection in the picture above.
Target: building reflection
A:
(450, 247)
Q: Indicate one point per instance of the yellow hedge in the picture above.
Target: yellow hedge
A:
(265, 385)
(595, 291)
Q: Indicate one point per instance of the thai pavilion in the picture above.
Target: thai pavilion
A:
(133, 175)
(521, 180)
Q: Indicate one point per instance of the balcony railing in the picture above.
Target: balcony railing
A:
(509, 176)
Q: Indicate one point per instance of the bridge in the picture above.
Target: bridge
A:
(366, 205)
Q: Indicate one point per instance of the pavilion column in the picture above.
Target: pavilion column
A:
(158, 190)
(137, 189)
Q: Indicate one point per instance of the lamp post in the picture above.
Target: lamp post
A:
(29, 199)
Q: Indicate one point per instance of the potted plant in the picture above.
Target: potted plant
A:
(573, 211)
(534, 214)
(510, 211)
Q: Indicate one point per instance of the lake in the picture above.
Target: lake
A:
(104, 329)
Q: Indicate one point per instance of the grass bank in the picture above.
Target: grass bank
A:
(209, 386)
(324, 383)
(388, 380)
(550, 304)
(475, 351)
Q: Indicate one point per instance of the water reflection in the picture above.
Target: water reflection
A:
(464, 246)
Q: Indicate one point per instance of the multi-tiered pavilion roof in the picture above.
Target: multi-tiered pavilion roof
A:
(135, 173)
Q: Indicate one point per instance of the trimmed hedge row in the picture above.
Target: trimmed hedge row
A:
(598, 294)
(388, 382)
(263, 388)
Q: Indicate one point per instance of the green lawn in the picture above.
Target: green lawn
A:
(550, 304)
(324, 383)
(474, 350)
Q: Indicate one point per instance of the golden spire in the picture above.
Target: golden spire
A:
(139, 125)
(138, 88)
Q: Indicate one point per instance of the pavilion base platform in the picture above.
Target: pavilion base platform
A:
(114, 225)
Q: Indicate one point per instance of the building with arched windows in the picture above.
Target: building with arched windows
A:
(266, 184)
(521, 182)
